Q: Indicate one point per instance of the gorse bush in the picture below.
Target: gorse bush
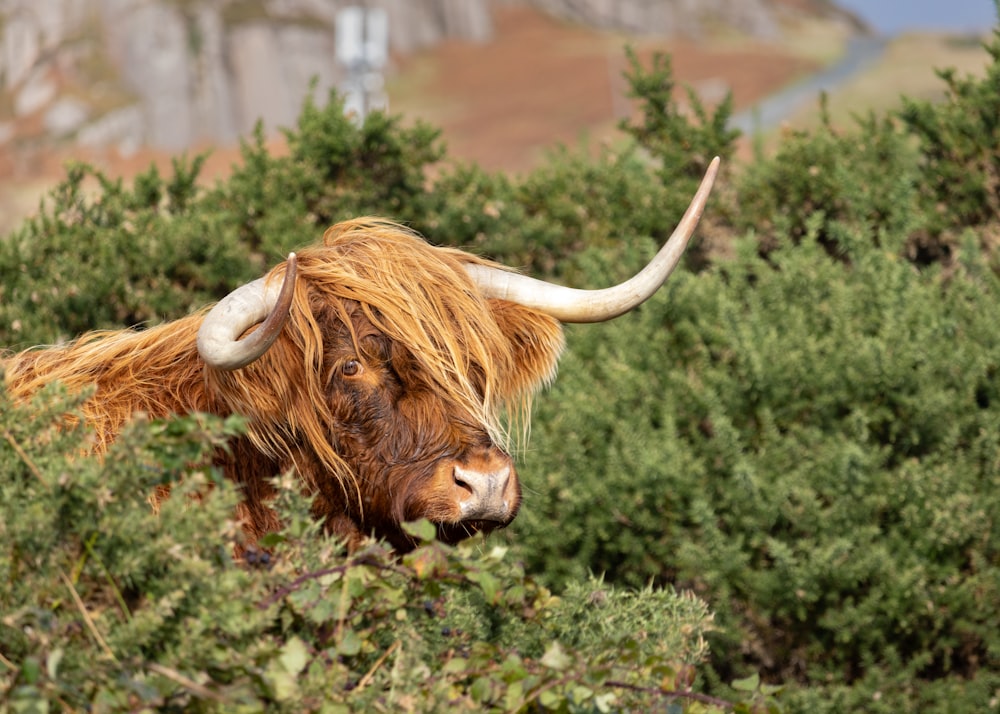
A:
(163, 247)
(127, 256)
(811, 447)
(334, 170)
(862, 183)
(108, 606)
(113, 606)
(571, 204)
(919, 176)
(959, 142)
(683, 147)
(808, 439)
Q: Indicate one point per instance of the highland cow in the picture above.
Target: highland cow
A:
(374, 365)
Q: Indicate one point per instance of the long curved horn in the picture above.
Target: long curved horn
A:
(573, 305)
(258, 302)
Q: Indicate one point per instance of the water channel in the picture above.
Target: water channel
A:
(768, 113)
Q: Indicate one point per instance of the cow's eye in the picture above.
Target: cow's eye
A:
(350, 368)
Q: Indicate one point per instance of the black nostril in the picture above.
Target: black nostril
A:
(462, 483)
(481, 484)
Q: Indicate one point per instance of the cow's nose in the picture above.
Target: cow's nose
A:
(484, 494)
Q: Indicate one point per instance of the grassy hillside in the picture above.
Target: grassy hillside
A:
(906, 68)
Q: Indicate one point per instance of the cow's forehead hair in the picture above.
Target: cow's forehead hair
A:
(421, 297)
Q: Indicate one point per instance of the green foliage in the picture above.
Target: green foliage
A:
(575, 202)
(114, 609)
(335, 170)
(919, 176)
(959, 141)
(683, 147)
(862, 183)
(812, 446)
(163, 247)
(124, 256)
(108, 605)
(572, 203)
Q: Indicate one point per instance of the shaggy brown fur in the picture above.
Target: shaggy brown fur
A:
(391, 365)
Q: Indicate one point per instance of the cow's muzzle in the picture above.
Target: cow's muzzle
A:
(477, 492)
(485, 495)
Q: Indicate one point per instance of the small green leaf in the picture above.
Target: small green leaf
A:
(749, 684)
(271, 540)
(323, 611)
(489, 584)
(605, 702)
(294, 655)
(427, 562)
(284, 683)
(550, 699)
(423, 529)
(30, 670)
(555, 658)
(512, 698)
(455, 665)
(350, 644)
(334, 708)
(481, 689)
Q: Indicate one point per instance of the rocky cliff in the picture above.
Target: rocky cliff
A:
(170, 73)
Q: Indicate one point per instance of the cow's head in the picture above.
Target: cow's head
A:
(391, 374)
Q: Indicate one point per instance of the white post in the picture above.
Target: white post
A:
(363, 48)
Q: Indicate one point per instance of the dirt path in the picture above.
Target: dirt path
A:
(543, 82)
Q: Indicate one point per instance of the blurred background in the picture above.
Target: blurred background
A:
(122, 83)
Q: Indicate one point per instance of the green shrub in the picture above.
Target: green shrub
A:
(114, 606)
(163, 247)
(572, 203)
(575, 202)
(335, 170)
(921, 174)
(684, 141)
(959, 142)
(120, 257)
(809, 444)
(109, 606)
(862, 182)
(123, 256)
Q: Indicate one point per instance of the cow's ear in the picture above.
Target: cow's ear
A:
(536, 341)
